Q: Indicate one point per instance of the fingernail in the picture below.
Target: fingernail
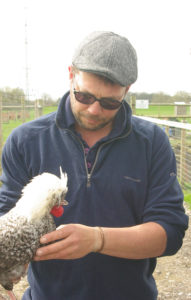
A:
(39, 252)
(43, 240)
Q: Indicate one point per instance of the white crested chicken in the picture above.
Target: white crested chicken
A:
(22, 227)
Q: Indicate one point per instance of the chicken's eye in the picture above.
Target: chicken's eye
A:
(62, 199)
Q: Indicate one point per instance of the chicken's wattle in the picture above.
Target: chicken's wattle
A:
(57, 211)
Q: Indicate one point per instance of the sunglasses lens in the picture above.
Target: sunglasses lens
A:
(84, 98)
(110, 104)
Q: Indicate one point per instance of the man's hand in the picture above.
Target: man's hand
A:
(75, 241)
(69, 241)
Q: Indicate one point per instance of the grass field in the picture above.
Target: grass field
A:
(8, 127)
(49, 109)
(187, 198)
(162, 110)
(156, 110)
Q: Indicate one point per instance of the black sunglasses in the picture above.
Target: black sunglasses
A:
(106, 103)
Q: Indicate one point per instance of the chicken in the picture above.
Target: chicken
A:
(22, 227)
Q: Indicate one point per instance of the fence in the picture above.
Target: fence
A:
(165, 110)
(180, 138)
(21, 111)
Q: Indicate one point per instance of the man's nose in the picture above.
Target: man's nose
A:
(94, 108)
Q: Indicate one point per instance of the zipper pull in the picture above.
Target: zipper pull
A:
(88, 180)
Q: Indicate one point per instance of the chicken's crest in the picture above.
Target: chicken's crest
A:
(41, 194)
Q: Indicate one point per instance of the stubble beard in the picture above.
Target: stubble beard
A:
(102, 122)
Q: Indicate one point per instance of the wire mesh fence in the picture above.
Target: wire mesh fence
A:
(15, 111)
(180, 138)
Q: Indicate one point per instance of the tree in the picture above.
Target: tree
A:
(47, 100)
(182, 96)
(161, 98)
(12, 96)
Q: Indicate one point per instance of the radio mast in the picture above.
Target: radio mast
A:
(26, 55)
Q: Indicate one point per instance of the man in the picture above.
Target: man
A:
(125, 204)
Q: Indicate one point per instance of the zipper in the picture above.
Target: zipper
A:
(97, 154)
(88, 180)
(86, 167)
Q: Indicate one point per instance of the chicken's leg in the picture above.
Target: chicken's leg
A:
(11, 295)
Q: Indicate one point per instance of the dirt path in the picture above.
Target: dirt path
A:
(173, 274)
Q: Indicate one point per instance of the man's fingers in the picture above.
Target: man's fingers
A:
(69, 241)
(56, 247)
(58, 250)
(58, 234)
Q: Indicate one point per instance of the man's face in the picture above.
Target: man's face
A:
(93, 117)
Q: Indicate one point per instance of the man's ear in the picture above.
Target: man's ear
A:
(71, 75)
(127, 88)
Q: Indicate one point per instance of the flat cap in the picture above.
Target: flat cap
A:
(109, 55)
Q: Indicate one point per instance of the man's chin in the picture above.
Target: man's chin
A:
(90, 124)
(92, 127)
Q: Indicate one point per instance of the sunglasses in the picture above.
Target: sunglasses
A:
(88, 99)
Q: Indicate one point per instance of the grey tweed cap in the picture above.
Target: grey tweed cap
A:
(107, 54)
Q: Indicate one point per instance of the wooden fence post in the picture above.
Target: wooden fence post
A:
(133, 104)
(23, 109)
(182, 156)
(1, 122)
(38, 109)
(167, 130)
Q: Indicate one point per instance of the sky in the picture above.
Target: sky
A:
(159, 30)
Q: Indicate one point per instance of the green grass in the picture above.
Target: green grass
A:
(11, 124)
(187, 198)
(156, 110)
(8, 127)
(49, 109)
(162, 110)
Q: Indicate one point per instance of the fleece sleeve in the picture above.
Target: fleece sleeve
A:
(164, 203)
(14, 175)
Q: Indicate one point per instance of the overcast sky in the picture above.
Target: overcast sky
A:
(160, 31)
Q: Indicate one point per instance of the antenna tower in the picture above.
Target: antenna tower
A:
(26, 55)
